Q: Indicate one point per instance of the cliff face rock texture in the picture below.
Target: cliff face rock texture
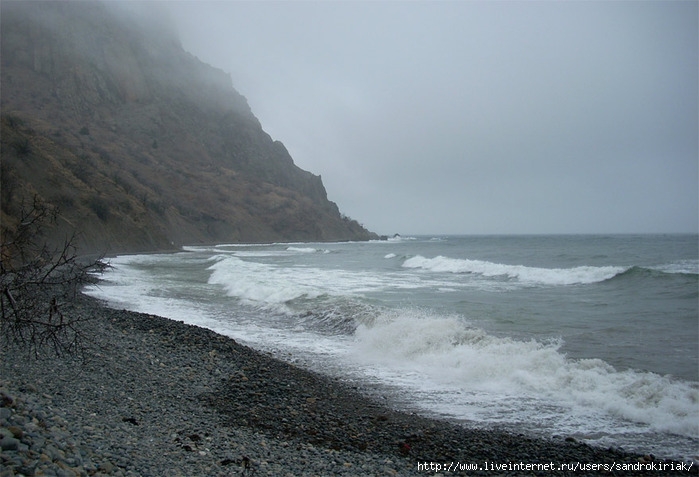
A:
(141, 145)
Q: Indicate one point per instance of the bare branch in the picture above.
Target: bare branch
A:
(37, 283)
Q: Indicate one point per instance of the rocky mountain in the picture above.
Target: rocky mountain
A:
(141, 145)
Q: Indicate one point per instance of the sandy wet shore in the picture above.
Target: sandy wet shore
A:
(156, 397)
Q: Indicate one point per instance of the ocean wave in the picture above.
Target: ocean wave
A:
(333, 315)
(684, 267)
(269, 286)
(657, 272)
(531, 275)
(257, 283)
(307, 250)
(447, 351)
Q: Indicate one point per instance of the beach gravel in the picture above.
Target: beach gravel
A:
(156, 397)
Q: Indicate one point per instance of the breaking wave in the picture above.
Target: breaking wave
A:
(524, 274)
(451, 353)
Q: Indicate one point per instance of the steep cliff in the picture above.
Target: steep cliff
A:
(141, 145)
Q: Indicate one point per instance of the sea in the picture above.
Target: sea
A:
(594, 337)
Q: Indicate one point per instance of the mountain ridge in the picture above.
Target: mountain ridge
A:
(140, 144)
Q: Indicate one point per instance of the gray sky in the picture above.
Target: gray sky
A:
(473, 116)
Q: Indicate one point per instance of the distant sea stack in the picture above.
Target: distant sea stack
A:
(139, 144)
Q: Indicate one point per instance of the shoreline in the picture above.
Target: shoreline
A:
(160, 397)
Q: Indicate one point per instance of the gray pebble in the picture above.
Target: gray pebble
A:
(9, 443)
(5, 414)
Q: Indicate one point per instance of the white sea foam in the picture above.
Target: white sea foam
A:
(125, 285)
(531, 275)
(438, 351)
(258, 283)
(261, 284)
(690, 267)
(303, 249)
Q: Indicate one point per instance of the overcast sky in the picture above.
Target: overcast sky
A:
(473, 116)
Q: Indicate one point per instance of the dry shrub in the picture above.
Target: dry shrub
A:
(38, 283)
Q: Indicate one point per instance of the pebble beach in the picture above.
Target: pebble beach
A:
(154, 397)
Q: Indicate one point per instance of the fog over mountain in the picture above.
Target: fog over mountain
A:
(139, 143)
(475, 116)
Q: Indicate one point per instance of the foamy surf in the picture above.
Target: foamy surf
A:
(526, 275)
(581, 341)
(447, 351)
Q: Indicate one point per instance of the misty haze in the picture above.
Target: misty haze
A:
(349, 238)
(474, 117)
